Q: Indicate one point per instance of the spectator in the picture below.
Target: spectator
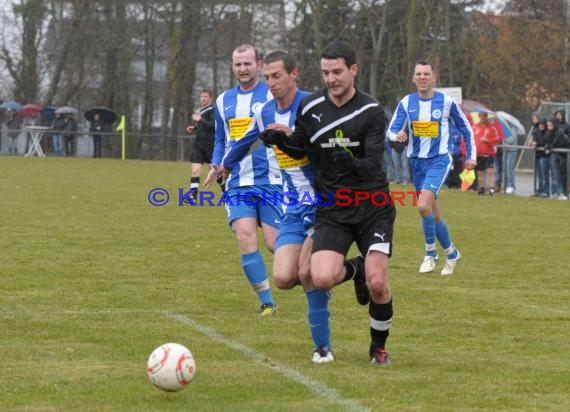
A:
(510, 155)
(536, 130)
(548, 165)
(57, 135)
(486, 140)
(542, 155)
(70, 133)
(453, 181)
(498, 168)
(97, 127)
(14, 125)
(562, 142)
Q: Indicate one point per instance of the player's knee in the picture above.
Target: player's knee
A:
(424, 208)
(246, 237)
(284, 280)
(377, 284)
(323, 281)
(270, 246)
(304, 273)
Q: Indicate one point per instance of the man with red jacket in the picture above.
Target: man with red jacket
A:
(487, 137)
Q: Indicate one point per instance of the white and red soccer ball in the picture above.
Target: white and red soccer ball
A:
(171, 367)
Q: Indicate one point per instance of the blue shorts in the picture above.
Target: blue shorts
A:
(261, 202)
(430, 174)
(297, 224)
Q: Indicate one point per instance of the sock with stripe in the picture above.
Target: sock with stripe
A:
(254, 268)
(444, 239)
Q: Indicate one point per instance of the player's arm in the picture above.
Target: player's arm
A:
(399, 123)
(291, 142)
(219, 144)
(219, 133)
(208, 119)
(240, 148)
(373, 144)
(467, 134)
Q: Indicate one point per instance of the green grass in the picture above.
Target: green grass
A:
(93, 278)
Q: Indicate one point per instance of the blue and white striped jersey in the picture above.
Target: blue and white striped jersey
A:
(297, 175)
(428, 124)
(234, 116)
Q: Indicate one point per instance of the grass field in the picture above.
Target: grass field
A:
(93, 278)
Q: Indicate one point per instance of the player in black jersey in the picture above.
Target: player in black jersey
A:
(204, 143)
(344, 129)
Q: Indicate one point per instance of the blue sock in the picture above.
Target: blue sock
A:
(254, 269)
(428, 224)
(444, 239)
(318, 314)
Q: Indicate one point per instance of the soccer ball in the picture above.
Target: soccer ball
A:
(171, 367)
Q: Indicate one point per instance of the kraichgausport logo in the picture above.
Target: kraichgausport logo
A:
(343, 197)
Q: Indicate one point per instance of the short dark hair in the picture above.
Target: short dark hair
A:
(424, 62)
(210, 93)
(340, 50)
(281, 55)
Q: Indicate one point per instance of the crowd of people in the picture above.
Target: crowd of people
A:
(547, 136)
(60, 134)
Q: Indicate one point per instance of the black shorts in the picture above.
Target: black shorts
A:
(484, 163)
(374, 232)
(202, 151)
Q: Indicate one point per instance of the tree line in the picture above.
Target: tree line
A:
(148, 59)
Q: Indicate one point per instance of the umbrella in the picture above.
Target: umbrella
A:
(107, 115)
(513, 121)
(66, 110)
(473, 108)
(11, 105)
(29, 110)
(47, 114)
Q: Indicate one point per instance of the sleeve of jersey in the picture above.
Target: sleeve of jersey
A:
(367, 167)
(465, 129)
(208, 120)
(294, 145)
(219, 138)
(241, 147)
(398, 121)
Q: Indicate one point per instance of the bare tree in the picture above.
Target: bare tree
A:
(65, 43)
(23, 64)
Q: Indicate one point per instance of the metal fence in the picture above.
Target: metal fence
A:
(179, 147)
(137, 146)
(526, 163)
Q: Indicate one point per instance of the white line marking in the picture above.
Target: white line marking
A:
(318, 388)
(314, 386)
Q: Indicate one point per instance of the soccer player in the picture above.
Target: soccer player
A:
(254, 176)
(427, 114)
(344, 128)
(204, 143)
